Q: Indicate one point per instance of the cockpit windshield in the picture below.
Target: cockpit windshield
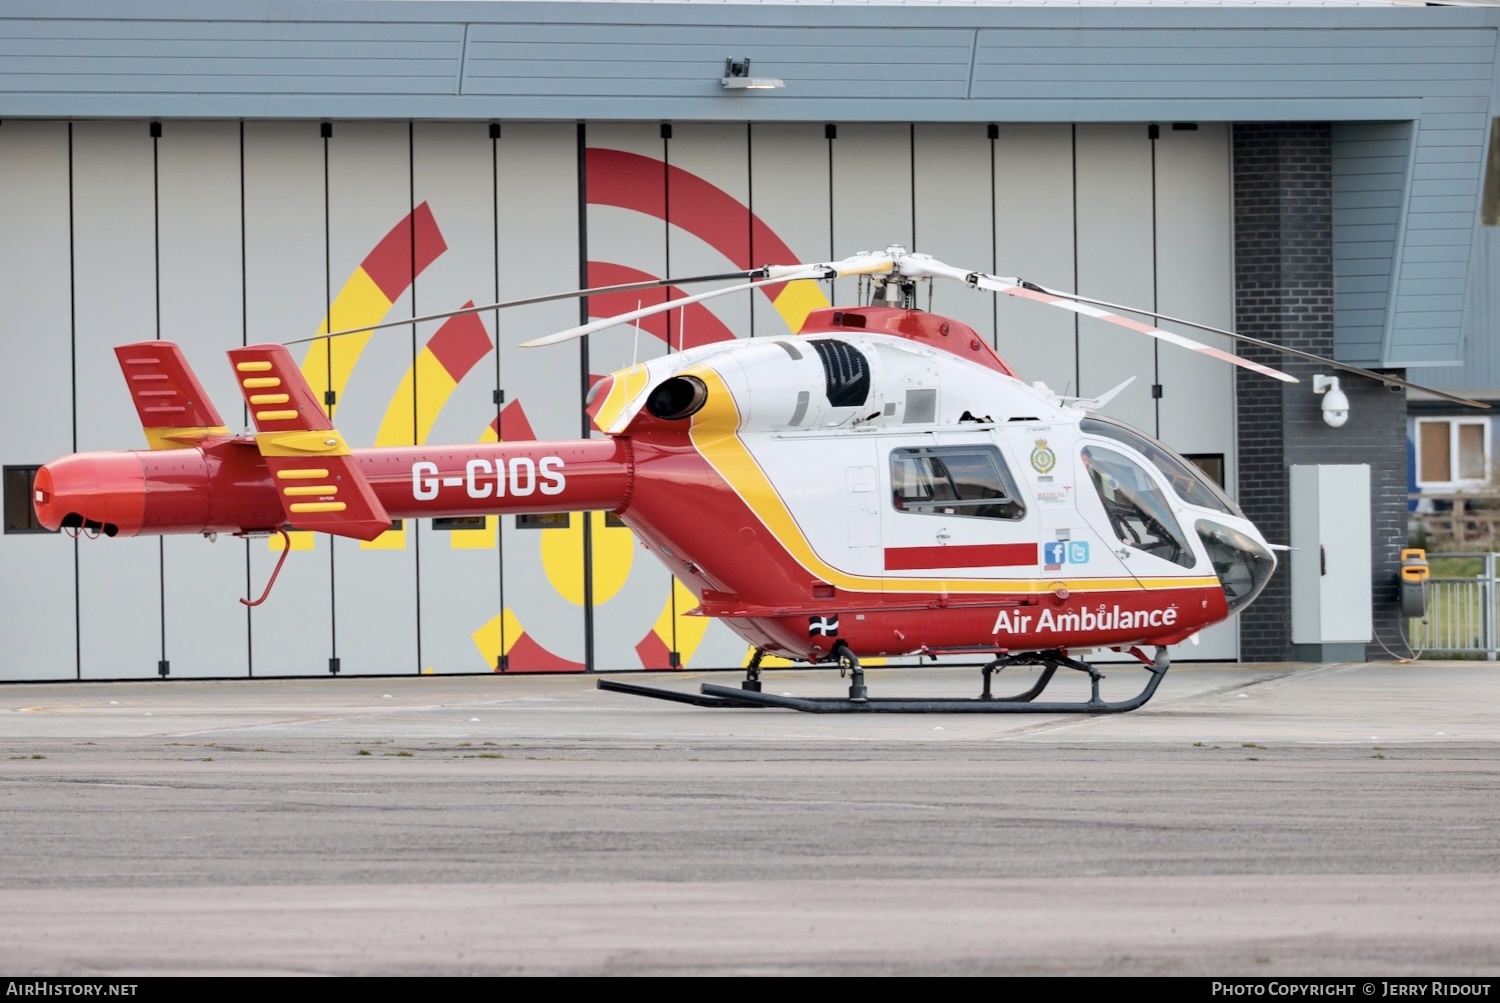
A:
(1189, 482)
(1137, 510)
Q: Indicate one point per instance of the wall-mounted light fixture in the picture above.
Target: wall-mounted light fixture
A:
(737, 77)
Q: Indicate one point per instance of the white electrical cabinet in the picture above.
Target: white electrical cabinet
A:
(1330, 514)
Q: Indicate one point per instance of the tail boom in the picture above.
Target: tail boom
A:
(230, 487)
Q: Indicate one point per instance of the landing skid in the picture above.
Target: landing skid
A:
(859, 702)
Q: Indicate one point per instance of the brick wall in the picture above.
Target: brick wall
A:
(1284, 288)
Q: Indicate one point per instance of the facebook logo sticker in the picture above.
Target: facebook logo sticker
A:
(1054, 552)
(1078, 552)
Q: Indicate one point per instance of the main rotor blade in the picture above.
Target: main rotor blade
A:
(1386, 378)
(650, 311)
(1030, 291)
(572, 294)
(860, 264)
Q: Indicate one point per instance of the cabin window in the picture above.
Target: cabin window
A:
(1452, 452)
(20, 513)
(1137, 509)
(1186, 475)
(967, 481)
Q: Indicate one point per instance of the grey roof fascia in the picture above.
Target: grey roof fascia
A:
(835, 15)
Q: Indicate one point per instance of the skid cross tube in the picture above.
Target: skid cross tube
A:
(860, 703)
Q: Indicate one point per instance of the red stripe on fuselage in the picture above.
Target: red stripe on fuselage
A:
(990, 555)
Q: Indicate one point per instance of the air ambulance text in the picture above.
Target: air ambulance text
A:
(1111, 618)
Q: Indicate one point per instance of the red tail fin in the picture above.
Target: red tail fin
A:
(174, 409)
(316, 478)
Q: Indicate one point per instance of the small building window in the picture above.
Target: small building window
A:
(1453, 452)
(458, 522)
(544, 520)
(1212, 465)
(20, 513)
(969, 481)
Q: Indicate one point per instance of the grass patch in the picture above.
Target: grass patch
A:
(403, 752)
(363, 752)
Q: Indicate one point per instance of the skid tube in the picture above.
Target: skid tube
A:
(859, 702)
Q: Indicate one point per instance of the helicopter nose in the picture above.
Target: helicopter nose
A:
(98, 493)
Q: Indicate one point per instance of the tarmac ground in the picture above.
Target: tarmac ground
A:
(1270, 820)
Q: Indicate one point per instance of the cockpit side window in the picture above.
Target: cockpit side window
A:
(1190, 483)
(1138, 511)
(966, 481)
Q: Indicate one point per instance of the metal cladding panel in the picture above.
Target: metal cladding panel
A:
(1116, 262)
(202, 309)
(1371, 165)
(872, 194)
(688, 60)
(708, 205)
(454, 175)
(369, 195)
(629, 196)
(114, 219)
(1195, 280)
(1034, 239)
(790, 194)
(953, 194)
(1103, 63)
(286, 297)
(226, 57)
(37, 616)
(537, 192)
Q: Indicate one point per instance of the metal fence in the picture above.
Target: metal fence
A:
(1461, 614)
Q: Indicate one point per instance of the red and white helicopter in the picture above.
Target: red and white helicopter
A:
(879, 484)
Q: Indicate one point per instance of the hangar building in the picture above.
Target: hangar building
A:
(254, 170)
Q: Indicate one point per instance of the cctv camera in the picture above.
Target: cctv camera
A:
(1335, 404)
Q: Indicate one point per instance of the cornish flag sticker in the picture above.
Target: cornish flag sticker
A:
(828, 626)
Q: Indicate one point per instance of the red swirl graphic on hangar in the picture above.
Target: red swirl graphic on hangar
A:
(614, 178)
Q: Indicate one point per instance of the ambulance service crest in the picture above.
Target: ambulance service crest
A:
(1043, 459)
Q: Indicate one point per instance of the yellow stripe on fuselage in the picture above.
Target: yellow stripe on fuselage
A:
(715, 435)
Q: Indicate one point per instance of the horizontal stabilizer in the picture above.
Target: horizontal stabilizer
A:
(175, 411)
(316, 478)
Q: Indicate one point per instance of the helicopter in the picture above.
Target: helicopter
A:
(879, 484)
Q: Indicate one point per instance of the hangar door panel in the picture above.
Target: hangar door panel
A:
(1115, 263)
(459, 578)
(36, 394)
(286, 296)
(1195, 280)
(709, 207)
(369, 197)
(872, 196)
(790, 196)
(114, 220)
(954, 219)
(538, 627)
(629, 204)
(1034, 240)
(198, 164)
